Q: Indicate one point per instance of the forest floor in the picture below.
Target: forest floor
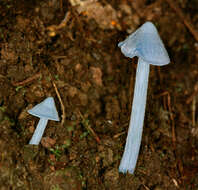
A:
(68, 50)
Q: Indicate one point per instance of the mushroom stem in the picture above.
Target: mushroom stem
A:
(38, 133)
(133, 141)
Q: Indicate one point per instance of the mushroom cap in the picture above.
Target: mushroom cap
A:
(46, 109)
(145, 42)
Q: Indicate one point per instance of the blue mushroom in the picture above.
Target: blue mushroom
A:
(146, 44)
(46, 110)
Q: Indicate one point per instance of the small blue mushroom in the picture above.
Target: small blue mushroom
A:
(46, 110)
(146, 44)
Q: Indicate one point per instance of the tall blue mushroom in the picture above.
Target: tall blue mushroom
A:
(46, 110)
(146, 44)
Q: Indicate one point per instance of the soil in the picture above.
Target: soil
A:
(69, 48)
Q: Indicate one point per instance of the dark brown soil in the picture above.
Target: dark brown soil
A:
(38, 49)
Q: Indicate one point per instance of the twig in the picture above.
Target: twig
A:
(193, 111)
(187, 23)
(190, 99)
(119, 134)
(52, 29)
(61, 5)
(63, 116)
(175, 182)
(89, 128)
(28, 80)
(166, 93)
(59, 56)
(172, 119)
(145, 187)
(160, 82)
(179, 164)
(64, 21)
(162, 94)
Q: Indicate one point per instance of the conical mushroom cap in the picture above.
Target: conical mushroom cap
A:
(145, 42)
(45, 109)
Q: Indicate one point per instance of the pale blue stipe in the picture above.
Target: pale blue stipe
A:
(38, 133)
(133, 141)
